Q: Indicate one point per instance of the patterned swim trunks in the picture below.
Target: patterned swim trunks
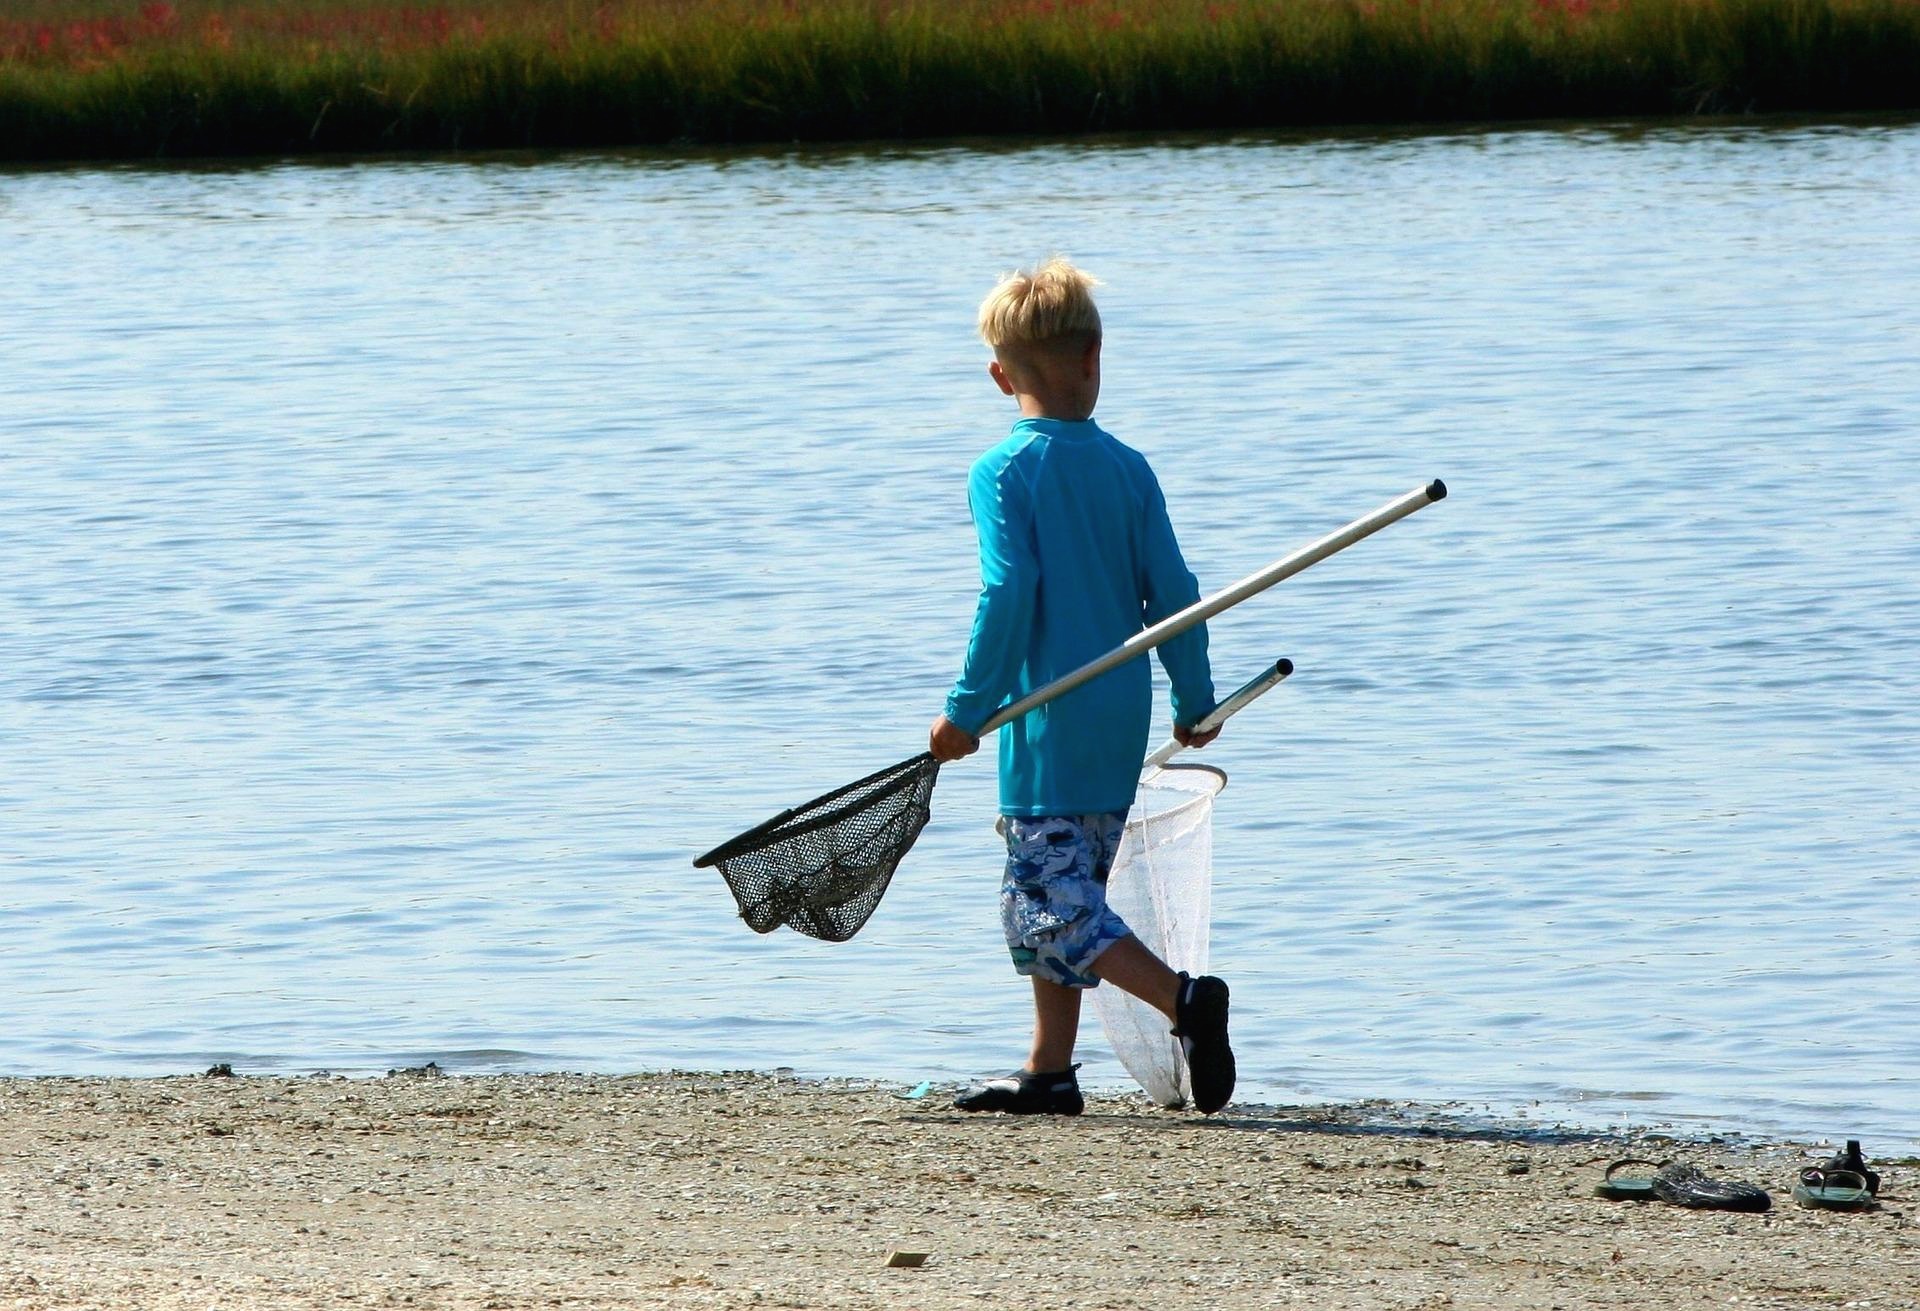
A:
(1053, 901)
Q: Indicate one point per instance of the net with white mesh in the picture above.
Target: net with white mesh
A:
(822, 868)
(1162, 886)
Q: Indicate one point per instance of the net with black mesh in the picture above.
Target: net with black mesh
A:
(821, 869)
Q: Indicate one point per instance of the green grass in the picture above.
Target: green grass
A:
(95, 79)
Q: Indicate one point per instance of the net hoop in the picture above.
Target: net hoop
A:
(894, 778)
(1176, 778)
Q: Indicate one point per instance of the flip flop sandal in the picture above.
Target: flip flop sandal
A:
(1629, 1188)
(1851, 1160)
(1832, 1190)
(1687, 1185)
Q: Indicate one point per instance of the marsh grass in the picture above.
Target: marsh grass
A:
(93, 78)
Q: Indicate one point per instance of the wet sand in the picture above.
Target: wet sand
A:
(740, 1190)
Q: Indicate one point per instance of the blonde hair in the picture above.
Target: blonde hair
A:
(1052, 302)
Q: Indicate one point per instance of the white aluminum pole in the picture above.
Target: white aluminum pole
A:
(1201, 611)
(1254, 688)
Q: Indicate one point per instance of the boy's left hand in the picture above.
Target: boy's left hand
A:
(948, 741)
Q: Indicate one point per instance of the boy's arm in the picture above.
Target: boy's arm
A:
(1009, 583)
(1169, 587)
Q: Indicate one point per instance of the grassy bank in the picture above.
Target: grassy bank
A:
(96, 79)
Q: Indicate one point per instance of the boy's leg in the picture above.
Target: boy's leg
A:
(1130, 967)
(1054, 912)
(1046, 1086)
(1197, 1007)
(1056, 1024)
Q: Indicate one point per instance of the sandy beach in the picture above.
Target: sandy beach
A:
(742, 1190)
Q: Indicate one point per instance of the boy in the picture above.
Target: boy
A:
(1076, 556)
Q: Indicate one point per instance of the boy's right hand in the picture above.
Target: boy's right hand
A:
(1186, 737)
(948, 741)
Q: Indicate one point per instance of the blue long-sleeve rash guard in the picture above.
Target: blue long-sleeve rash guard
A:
(1076, 556)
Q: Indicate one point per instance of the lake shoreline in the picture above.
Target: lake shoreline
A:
(1625, 126)
(738, 1189)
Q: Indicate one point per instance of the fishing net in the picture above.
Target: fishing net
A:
(822, 868)
(1162, 886)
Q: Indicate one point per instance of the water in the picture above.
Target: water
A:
(408, 566)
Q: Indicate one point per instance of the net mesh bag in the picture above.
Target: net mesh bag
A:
(822, 868)
(1162, 886)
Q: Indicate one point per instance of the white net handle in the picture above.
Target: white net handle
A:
(1250, 691)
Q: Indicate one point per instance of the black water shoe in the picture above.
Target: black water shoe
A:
(1200, 1023)
(1853, 1162)
(1687, 1185)
(1026, 1093)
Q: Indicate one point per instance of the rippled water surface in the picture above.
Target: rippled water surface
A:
(405, 568)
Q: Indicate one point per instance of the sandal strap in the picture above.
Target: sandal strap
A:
(1630, 1160)
(1814, 1177)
